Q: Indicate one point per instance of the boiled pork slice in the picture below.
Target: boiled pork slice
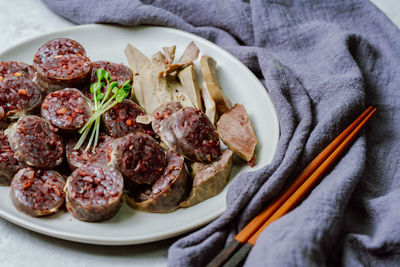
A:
(236, 132)
(209, 179)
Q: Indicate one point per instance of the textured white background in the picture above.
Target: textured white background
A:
(23, 19)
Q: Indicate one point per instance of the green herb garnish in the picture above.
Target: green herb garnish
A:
(102, 103)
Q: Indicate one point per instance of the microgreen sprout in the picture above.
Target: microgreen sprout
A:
(102, 103)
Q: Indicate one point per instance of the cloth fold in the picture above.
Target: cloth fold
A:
(322, 63)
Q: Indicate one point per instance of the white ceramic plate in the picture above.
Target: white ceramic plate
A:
(130, 226)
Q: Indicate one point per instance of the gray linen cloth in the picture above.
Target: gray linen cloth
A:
(323, 62)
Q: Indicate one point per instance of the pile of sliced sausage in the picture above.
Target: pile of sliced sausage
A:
(42, 107)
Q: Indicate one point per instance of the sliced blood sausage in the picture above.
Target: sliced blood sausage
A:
(18, 95)
(121, 119)
(64, 71)
(138, 157)
(9, 165)
(94, 193)
(35, 142)
(16, 69)
(118, 73)
(167, 192)
(79, 158)
(190, 133)
(67, 109)
(56, 47)
(37, 192)
(162, 113)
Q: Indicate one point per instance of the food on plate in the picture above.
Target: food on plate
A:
(120, 120)
(18, 96)
(64, 71)
(167, 192)
(9, 165)
(94, 193)
(37, 192)
(209, 70)
(118, 73)
(35, 142)
(138, 157)
(190, 54)
(103, 102)
(188, 132)
(156, 82)
(188, 78)
(140, 128)
(67, 109)
(209, 178)
(169, 53)
(58, 47)
(209, 104)
(236, 132)
(80, 157)
(16, 69)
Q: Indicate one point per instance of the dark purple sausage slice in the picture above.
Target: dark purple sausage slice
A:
(162, 113)
(37, 192)
(9, 165)
(17, 95)
(138, 157)
(16, 69)
(167, 192)
(60, 46)
(64, 71)
(94, 193)
(35, 142)
(118, 73)
(67, 109)
(190, 133)
(79, 158)
(121, 119)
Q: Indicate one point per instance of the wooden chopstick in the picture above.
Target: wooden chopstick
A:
(277, 208)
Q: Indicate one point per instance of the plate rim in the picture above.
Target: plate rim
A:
(88, 239)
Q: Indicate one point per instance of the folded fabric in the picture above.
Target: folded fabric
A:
(322, 62)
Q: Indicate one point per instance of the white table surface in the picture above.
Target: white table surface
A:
(23, 19)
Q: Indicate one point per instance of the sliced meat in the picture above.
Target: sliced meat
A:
(4, 124)
(37, 192)
(171, 89)
(16, 69)
(209, 104)
(167, 192)
(138, 157)
(162, 113)
(190, 54)
(188, 79)
(209, 70)
(56, 47)
(118, 73)
(35, 142)
(139, 65)
(79, 157)
(169, 53)
(190, 133)
(18, 95)
(67, 109)
(235, 130)
(121, 119)
(209, 179)
(94, 193)
(9, 165)
(64, 71)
